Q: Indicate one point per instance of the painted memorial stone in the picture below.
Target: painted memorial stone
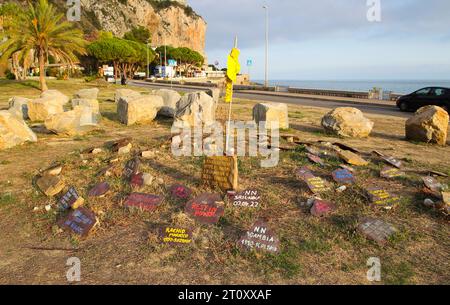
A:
(137, 180)
(260, 237)
(79, 221)
(206, 208)
(221, 171)
(99, 190)
(50, 185)
(315, 159)
(432, 186)
(145, 202)
(381, 198)
(343, 176)
(317, 185)
(70, 200)
(392, 161)
(248, 198)
(304, 173)
(322, 208)
(131, 168)
(175, 236)
(180, 192)
(389, 172)
(376, 230)
(352, 158)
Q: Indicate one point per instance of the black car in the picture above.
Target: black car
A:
(437, 96)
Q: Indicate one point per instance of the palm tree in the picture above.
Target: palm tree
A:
(41, 32)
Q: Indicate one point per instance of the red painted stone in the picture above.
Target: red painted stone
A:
(322, 208)
(179, 191)
(145, 202)
(99, 190)
(206, 208)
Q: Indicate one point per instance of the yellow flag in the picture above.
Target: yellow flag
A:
(233, 68)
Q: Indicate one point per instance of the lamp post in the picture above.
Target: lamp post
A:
(266, 79)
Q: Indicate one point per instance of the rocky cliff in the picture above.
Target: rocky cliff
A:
(170, 22)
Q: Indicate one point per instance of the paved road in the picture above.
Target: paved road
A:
(366, 108)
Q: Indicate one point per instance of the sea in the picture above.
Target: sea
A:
(396, 86)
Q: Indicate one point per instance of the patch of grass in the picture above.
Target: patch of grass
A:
(397, 273)
(286, 262)
(7, 199)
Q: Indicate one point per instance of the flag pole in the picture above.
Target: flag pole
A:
(229, 110)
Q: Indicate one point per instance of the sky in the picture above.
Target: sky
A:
(332, 39)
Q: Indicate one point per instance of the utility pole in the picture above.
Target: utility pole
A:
(266, 80)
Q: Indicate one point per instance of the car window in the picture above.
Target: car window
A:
(439, 92)
(425, 91)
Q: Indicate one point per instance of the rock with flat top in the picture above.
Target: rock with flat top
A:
(429, 125)
(40, 109)
(92, 103)
(14, 131)
(19, 106)
(78, 121)
(141, 110)
(214, 93)
(126, 93)
(271, 113)
(89, 94)
(347, 122)
(55, 95)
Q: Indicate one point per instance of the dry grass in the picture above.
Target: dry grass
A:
(122, 248)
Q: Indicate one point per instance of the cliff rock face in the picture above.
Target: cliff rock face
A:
(177, 24)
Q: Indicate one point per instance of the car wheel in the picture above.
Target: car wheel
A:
(403, 106)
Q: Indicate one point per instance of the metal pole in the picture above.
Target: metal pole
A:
(148, 59)
(266, 81)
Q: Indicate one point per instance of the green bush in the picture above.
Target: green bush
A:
(9, 75)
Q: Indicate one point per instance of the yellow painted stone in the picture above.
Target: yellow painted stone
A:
(221, 171)
(352, 158)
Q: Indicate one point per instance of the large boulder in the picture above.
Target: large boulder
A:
(170, 98)
(19, 107)
(195, 109)
(92, 103)
(126, 93)
(141, 110)
(40, 109)
(271, 112)
(55, 95)
(89, 94)
(429, 124)
(347, 122)
(14, 131)
(78, 121)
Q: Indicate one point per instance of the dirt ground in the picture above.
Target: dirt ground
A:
(123, 250)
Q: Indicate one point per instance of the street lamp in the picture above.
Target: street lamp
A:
(266, 81)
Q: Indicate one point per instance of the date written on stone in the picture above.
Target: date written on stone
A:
(249, 198)
(260, 237)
